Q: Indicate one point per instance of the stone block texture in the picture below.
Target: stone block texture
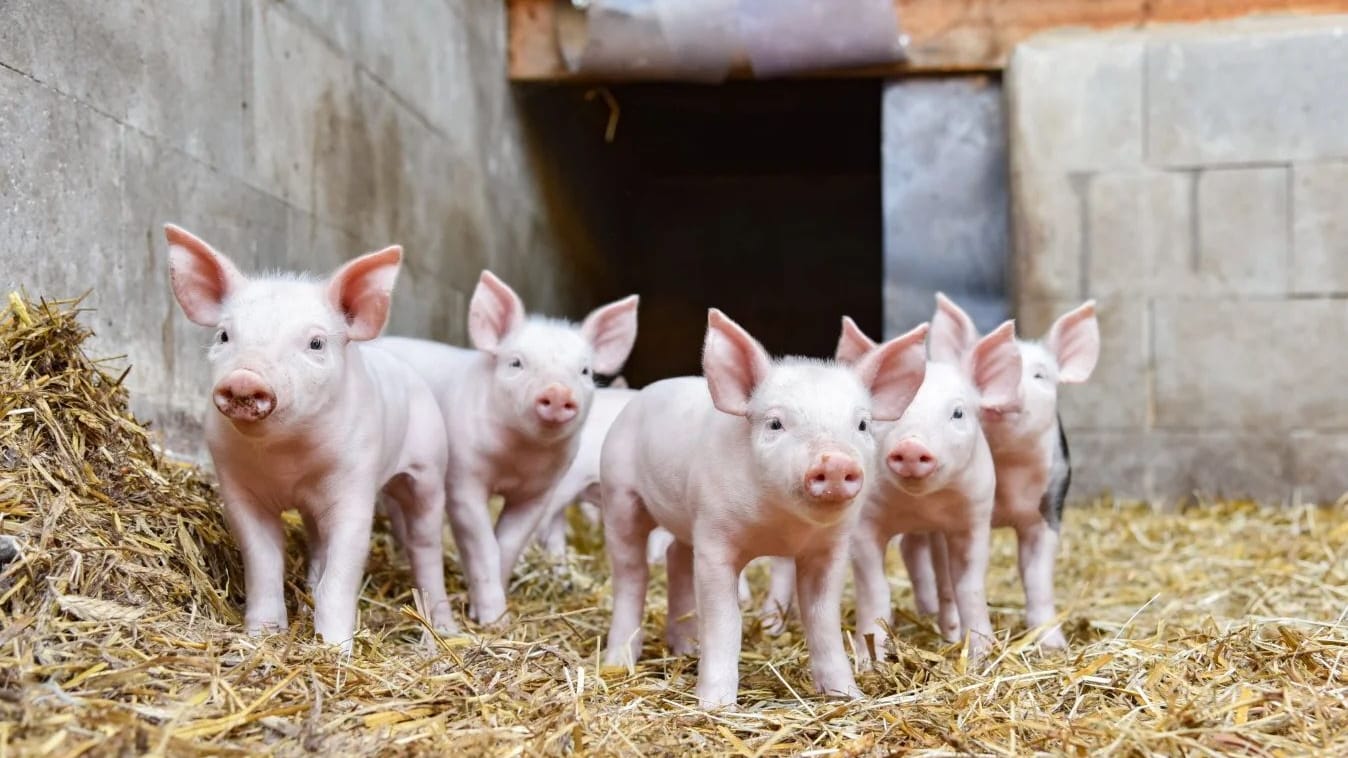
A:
(1192, 180)
(291, 135)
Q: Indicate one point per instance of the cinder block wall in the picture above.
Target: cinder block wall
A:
(1194, 180)
(290, 135)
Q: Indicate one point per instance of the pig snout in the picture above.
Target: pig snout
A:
(555, 405)
(243, 396)
(834, 478)
(911, 459)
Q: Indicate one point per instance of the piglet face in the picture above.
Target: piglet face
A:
(278, 354)
(543, 369)
(809, 423)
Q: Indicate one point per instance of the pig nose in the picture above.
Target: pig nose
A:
(835, 478)
(556, 404)
(911, 459)
(243, 396)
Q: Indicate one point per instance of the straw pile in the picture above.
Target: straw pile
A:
(1216, 630)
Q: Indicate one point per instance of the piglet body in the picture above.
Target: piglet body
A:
(759, 458)
(307, 417)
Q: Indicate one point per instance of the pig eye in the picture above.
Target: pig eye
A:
(958, 414)
(316, 343)
(775, 424)
(223, 337)
(516, 363)
(862, 426)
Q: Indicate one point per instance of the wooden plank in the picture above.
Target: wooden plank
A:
(945, 36)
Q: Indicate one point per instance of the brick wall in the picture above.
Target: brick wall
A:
(1194, 180)
(290, 135)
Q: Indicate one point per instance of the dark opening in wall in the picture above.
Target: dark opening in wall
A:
(759, 198)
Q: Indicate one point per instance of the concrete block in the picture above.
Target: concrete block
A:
(1140, 233)
(1250, 364)
(156, 65)
(1047, 220)
(1221, 465)
(1118, 394)
(1319, 473)
(1243, 230)
(1076, 101)
(1248, 92)
(943, 150)
(1320, 228)
(1108, 463)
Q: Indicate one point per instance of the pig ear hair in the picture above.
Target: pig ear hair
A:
(995, 368)
(362, 291)
(612, 331)
(953, 333)
(202, 279)
(853, 343)
(893, 372)
(494, 312)
(733, 362)
(1074, 340)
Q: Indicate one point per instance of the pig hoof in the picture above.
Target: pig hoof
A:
(773, 623)
(711, 699)
(681, 644)
(1053, 640)
(488, 614)
(844, 690)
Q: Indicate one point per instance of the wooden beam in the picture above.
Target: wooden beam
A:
(945, 36)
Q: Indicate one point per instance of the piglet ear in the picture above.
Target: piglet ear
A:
(363, 289)
(612, 331)
(202, 279)
(1074, 340)
(994, 365)
(494, 312)
(893, 372)
(953, 333)
(734, 364)
(853, 343)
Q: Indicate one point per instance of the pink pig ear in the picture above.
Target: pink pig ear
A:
(1075, 340)
(953, 333)
(612, 331)
(995, 366)
(202, 279)
(362, 291)
(734, 364)
(853, 343)
(494, 312)
(893, 372)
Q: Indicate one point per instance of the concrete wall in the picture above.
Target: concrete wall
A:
(1194, 181)
(290, 135)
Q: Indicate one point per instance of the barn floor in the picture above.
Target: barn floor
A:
(1214, 630)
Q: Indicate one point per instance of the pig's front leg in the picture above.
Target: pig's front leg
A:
(517, 525)
(917, 558)
(627, 529)
(346, 539)
(1038, 544)
(872, 591)
(261, 539)
(716, 578)
(819, 580)
(419, 505)
(479, 554)
(781, 596)
(968, 560)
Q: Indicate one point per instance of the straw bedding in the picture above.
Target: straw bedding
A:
(1213, 630)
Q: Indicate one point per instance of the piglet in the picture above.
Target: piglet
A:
(513, 407)
(1029, 450)
(759, 458)
(937, 478)
(307, 415)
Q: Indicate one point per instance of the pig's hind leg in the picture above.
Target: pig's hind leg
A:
(917, 558)
(419, 503)
(781, 595)
(681, 621)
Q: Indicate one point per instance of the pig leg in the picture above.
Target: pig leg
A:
(872, 592)
(781, 596)
(627, 526)
(478, 551)
(819, 582)
(1038, 544)
(315, 548)
(967, 553)
(347, 544)
(397, 520)
(719, 624)
(420, 504)
(553, 533)
(948, 614)
(917, 558)
(517, 524)
(659, 541)
(681, 621)
(261, 539)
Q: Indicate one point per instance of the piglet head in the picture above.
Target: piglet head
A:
(543, 375)
(808, 423)
(279, 353)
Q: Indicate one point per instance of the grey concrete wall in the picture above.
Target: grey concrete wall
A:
(945, 200)
(290, 135)
(1194, 180)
